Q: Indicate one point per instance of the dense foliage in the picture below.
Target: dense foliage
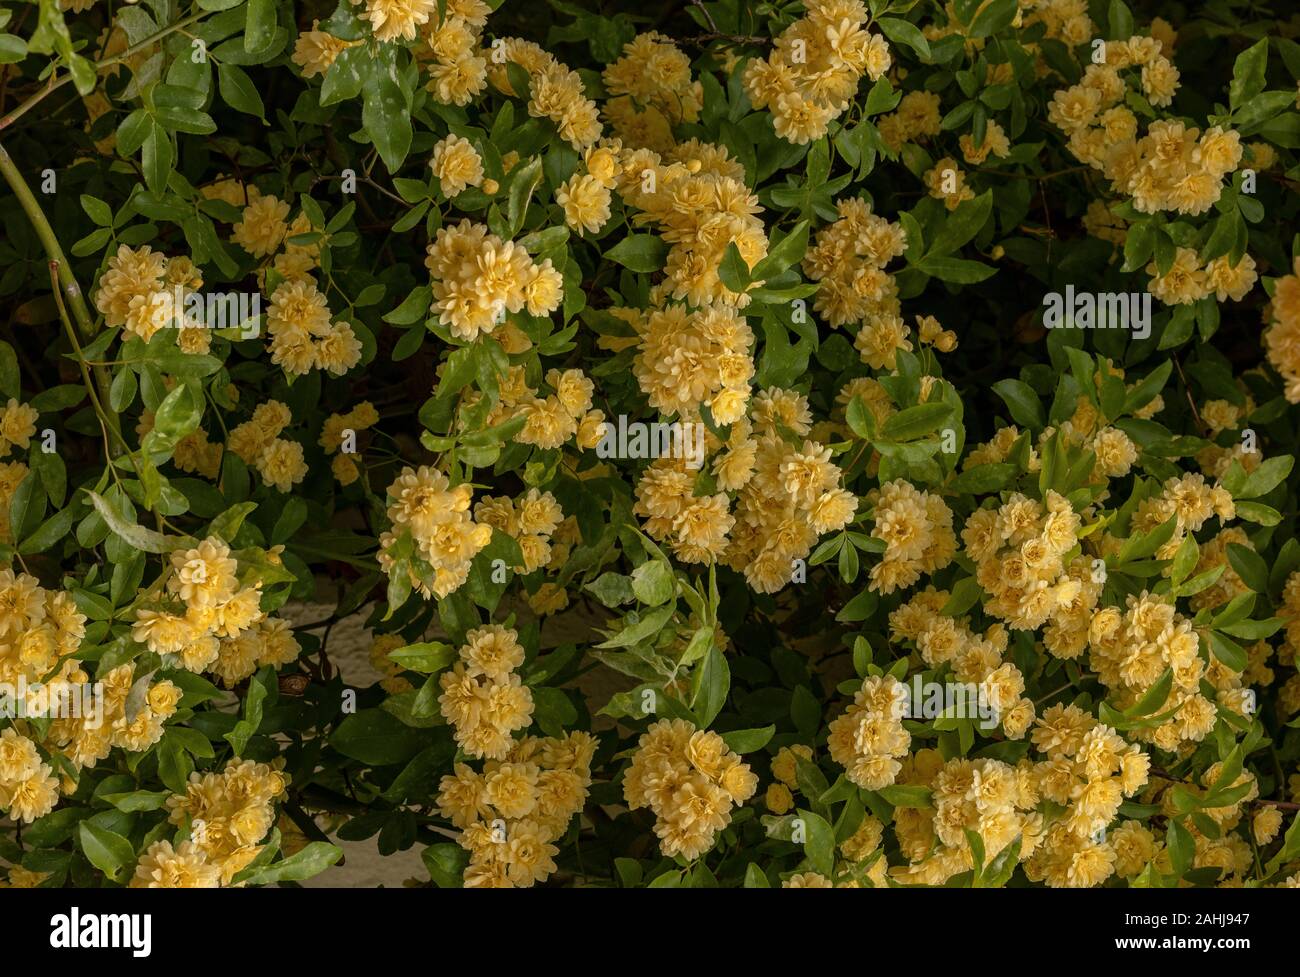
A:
(806, 444)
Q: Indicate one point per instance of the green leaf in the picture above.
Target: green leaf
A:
(958, 271)
(981, 479)
(107, 851)
(522, 185)
(961, 225)
(993, 16)
(377, 738)
(916, 422)
(1248, 73)
(259, 27)
(98, 211)
(238, 90)
(138, 800)
(900, 795)
(385, 118)
(819, 843)
(1266, 477)
(1025, 406)
(902, 32)
(642, 253)
(137, 536)
(748, 740)
(1250, 566)
(733, 271)
(788, 252)
(711, 684)
(653, 582)
(156, 158)
(306, 864)
(1228, 652)
(647, 626)
(426, 657)
(414, 307)
(239, 736)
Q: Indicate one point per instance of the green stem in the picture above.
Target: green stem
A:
(36, 216)
(60, 274)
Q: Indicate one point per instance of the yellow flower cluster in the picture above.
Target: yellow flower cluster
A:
(264, 230)
(790, 492)
(1130, 651)
(28, 787)
(457, 70)
(137, 292)
(946, 182)
(17, 426)
(456, 164)
(555, 92)
(585, 195)
(847, 259)
(258, 444)
(433, 536)
(916, 528)
(1089, 770)
(917, 118)
(995, 143)
(686, 359)
(1172, 167)
(691, 781)
(303, 337)
(1187, 281)
(1188, 499)
(12, 474)
(551, 421)
(868, 737)
(1020, 550)
(785, 768)
(195, 453)
(394, 19)
(264, 224)
(813, 70)
(477, 278)
(316, 50)
(210, 621)
(651, 90)
(358, 419)
(40, 633)
(1282, 337)
(167, 866)
(228, 814)
(697, 196)
(483, 696)
(530, 523)
(944, 640)
(510, 814)
(988, 797)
